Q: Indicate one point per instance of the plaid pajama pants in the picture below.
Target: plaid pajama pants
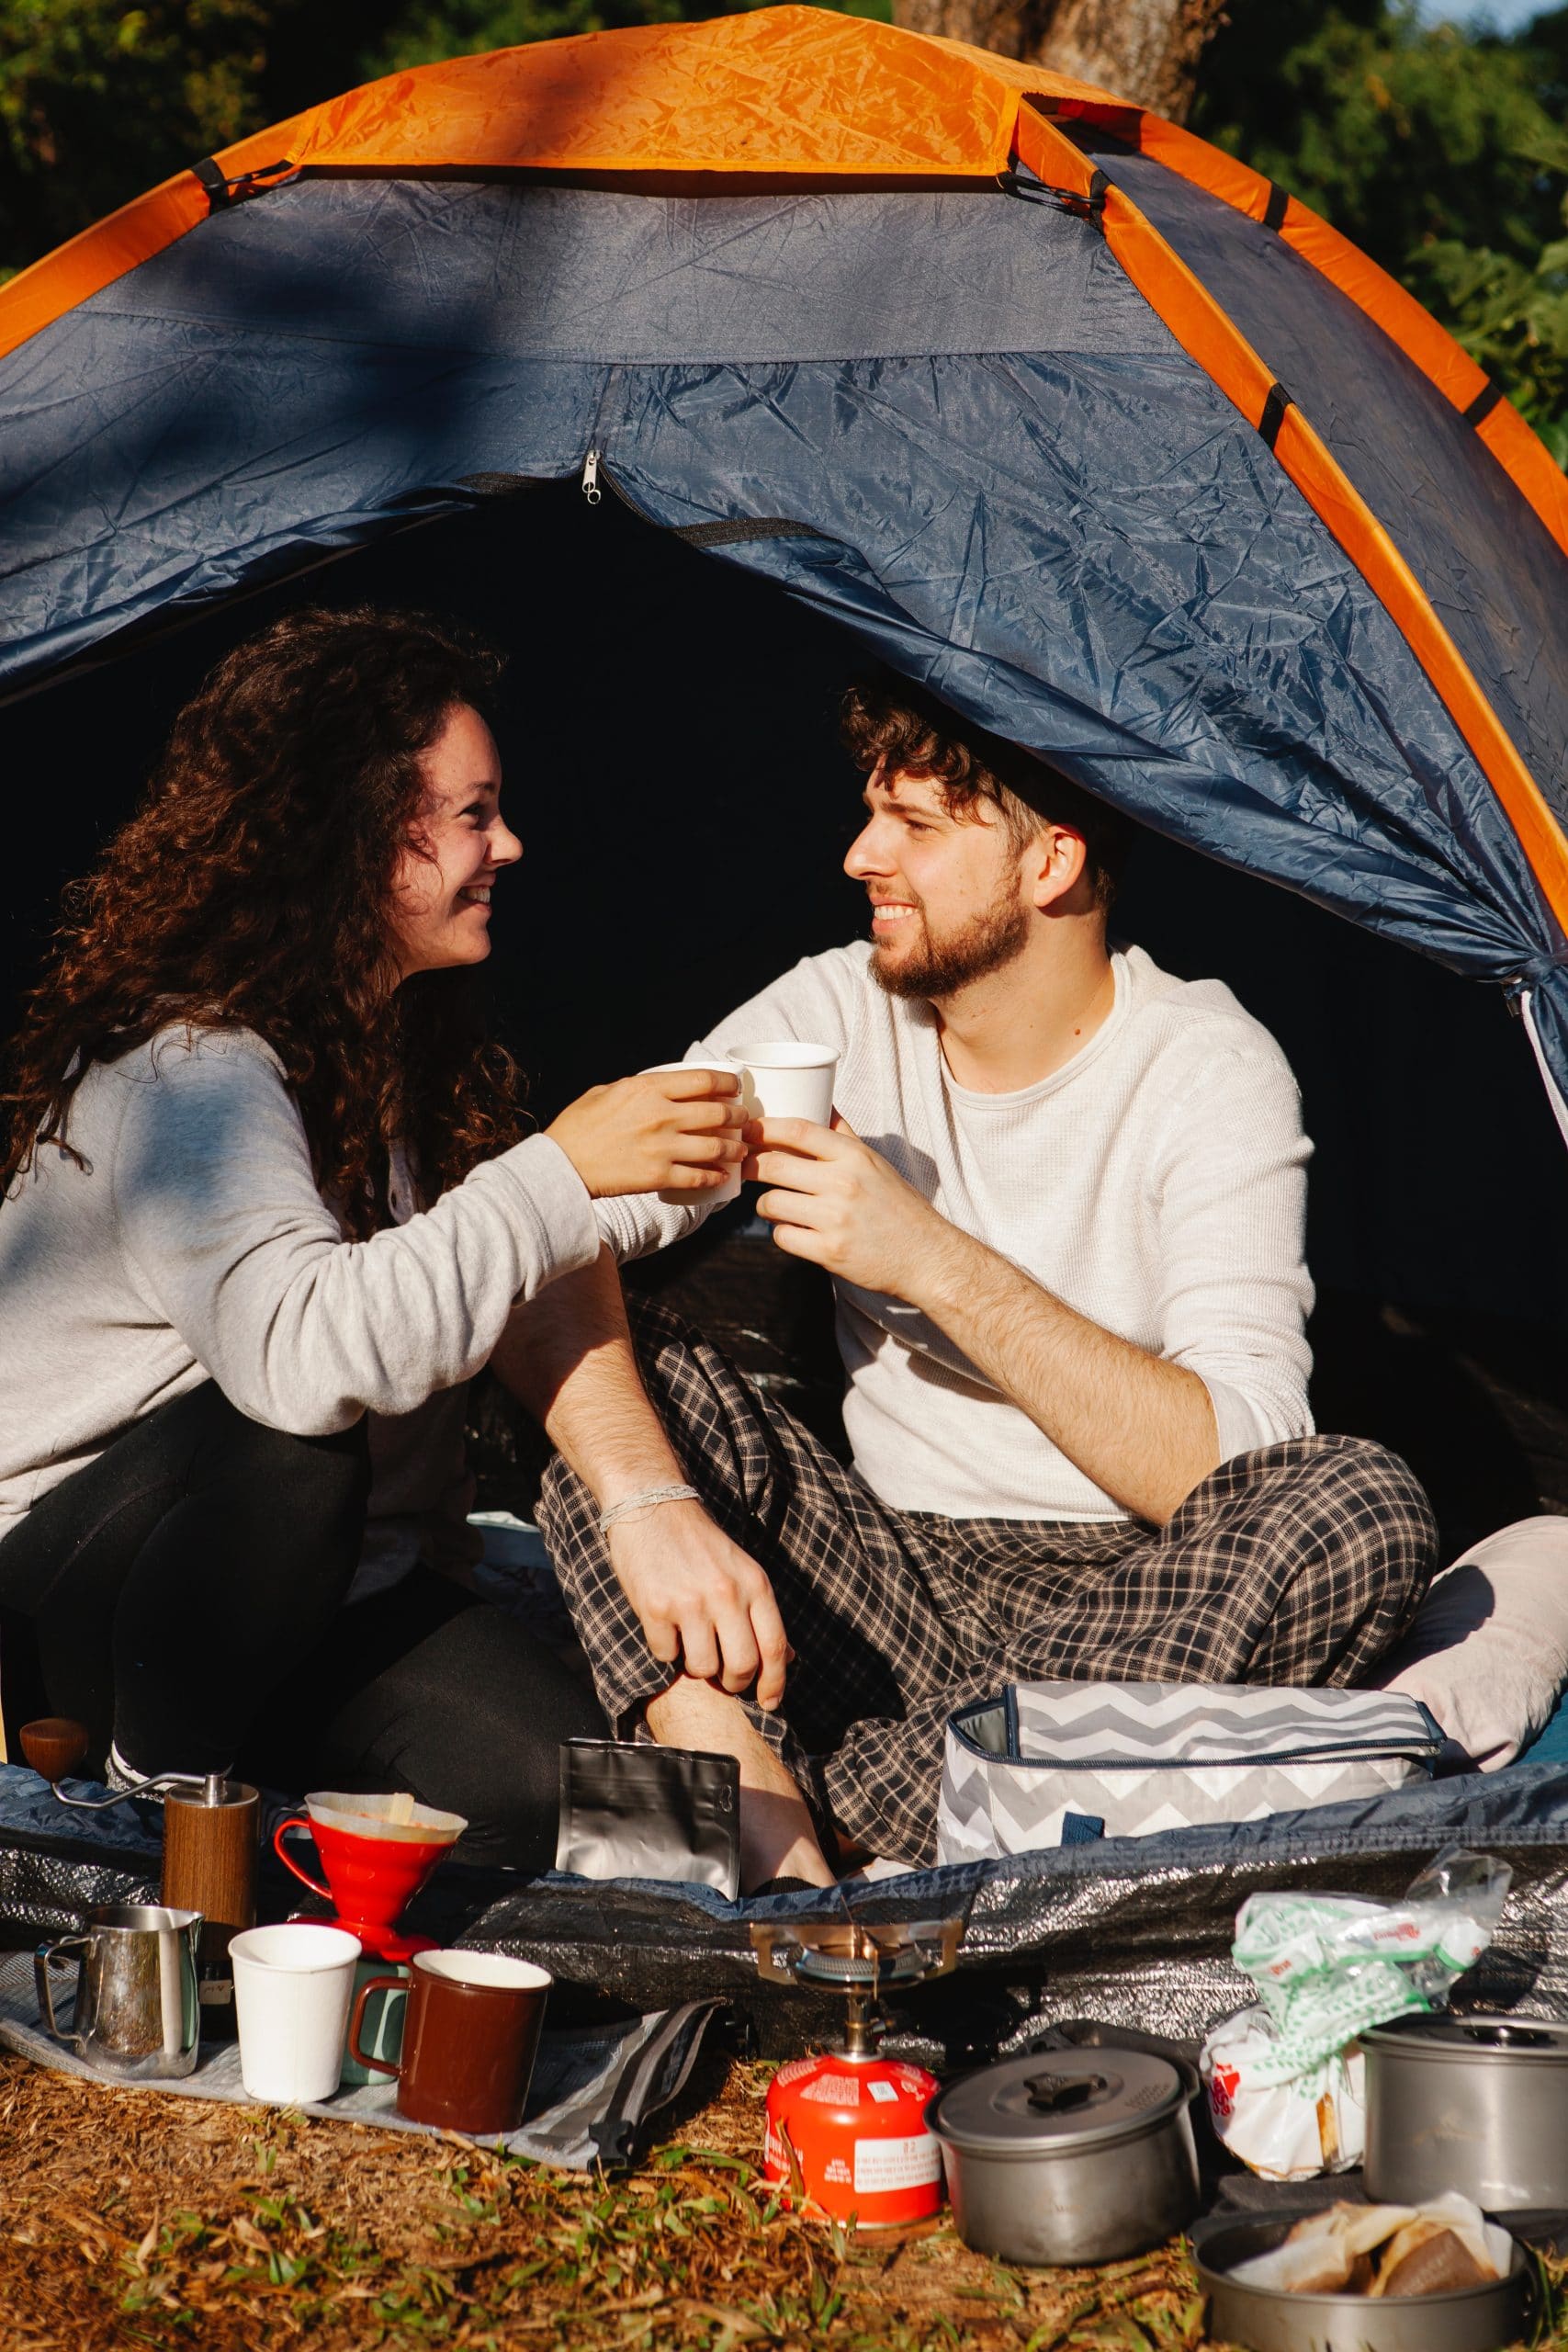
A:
(1298, 1563)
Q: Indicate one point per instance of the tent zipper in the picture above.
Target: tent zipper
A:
(597, 478)
(733, 532)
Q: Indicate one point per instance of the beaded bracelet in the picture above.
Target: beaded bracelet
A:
(645, 1502)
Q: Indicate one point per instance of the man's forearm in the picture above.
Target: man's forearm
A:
(568, 1357)
(704, 1605)
(1142, 1428)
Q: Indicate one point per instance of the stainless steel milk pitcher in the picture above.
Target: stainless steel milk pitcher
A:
(136, 2016)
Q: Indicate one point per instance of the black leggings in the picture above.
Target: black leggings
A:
(183, 1596)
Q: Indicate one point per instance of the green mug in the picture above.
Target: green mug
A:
(383, 2030)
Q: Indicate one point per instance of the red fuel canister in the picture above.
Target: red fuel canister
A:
(847, 2131)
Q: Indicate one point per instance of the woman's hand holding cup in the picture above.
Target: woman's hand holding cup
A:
(673, 1131)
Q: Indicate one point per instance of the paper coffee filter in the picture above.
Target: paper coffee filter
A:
(396, 1817)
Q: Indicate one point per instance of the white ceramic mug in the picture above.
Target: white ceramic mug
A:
(292, 1989)
(783, 1078)
(730, 1189)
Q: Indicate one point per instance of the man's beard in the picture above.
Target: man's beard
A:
(978, 947)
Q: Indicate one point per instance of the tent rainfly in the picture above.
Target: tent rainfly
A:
(1114, 443)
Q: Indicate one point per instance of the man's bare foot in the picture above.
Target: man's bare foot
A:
(776, 1836)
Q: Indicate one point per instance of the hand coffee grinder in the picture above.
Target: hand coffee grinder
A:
(846, 2128)
(211, 1851)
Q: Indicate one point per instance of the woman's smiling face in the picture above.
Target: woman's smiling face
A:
(460, 843)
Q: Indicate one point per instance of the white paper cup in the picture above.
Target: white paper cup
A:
(782, 1078)
(292, 1989)
(730, 1189)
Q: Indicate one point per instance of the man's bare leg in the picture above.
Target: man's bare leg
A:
(777, 1839)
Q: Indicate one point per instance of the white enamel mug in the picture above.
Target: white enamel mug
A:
(292, 1989)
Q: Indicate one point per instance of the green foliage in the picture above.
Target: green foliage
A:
(1508, 307)
(428, 29)
(1435, 149)
(98, 101)
(422, 30)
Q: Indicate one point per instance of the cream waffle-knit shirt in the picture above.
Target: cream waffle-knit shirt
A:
(1155, 1182)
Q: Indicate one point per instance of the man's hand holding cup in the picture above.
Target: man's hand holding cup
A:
(833, 1200)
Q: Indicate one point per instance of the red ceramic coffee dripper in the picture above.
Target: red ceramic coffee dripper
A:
(376, 1851)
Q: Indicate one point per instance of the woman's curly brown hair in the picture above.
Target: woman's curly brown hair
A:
(253, 888)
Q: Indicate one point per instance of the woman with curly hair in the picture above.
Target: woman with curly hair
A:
(270, 1198)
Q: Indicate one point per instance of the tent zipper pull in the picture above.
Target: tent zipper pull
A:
(591, 489)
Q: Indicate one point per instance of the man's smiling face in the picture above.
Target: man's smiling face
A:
(948, 903)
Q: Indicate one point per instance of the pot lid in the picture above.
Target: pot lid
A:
(1056, 2101)
(1444, 2035)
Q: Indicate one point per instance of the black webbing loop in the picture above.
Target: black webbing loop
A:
(213, 181)
(1482, 406)
(1274, 214)
(740, 532)
(222, 192)
(1273, 415)
(1084, 204)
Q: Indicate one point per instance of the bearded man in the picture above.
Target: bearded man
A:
(1062, 1201)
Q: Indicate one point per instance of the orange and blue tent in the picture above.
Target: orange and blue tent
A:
(1108, 439)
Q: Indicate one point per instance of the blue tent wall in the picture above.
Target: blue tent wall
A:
(1488, 562)
(1006, 475)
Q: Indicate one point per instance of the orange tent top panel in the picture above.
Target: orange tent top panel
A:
(790, 89)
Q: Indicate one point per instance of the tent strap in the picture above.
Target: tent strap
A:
(1553, 1093)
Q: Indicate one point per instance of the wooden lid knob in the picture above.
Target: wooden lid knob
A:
(53, 1746)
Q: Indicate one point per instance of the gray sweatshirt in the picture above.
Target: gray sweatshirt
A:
(195, 1244)
(1155, 1182)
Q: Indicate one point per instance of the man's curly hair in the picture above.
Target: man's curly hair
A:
(899, 726)
(253, 889)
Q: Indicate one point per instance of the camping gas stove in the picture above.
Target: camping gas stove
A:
(847, 2128)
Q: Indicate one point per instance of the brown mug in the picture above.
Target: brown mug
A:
(470, 2036)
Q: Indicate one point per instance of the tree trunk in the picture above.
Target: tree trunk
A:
(1145, 51)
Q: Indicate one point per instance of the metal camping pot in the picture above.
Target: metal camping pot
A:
(1269, 2319)
(1479, 2104)
(1069, 2156)
(137, 2018)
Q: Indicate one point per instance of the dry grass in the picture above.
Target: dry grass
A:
(131, 2219)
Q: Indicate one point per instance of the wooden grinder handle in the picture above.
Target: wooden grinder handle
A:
(53, 1746)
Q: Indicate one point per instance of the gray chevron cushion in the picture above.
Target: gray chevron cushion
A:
(1047, 1763)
